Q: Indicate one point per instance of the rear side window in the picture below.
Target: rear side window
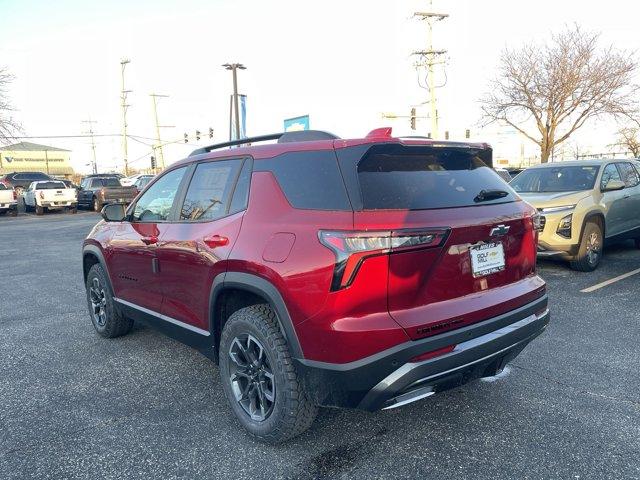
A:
(309, 180)
(395, 177)
(210, 190)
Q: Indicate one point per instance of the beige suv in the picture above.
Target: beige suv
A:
(583, 205)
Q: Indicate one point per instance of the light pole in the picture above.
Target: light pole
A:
(123, 98)
(234, 67)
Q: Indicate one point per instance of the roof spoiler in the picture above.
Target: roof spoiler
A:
(284, 137)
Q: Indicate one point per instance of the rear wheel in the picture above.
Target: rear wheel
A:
(73, 209)
(590, 251)
(637, 241)
(97, 204)
(106, 318)
(259, 378)
(39, 210)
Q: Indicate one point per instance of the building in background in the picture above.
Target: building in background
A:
(32, 157)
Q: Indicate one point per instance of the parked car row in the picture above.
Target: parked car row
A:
(39, 192)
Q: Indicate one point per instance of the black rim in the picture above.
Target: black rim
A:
(98, 300)
(251, 377)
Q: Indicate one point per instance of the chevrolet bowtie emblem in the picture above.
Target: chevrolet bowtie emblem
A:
(499, 231)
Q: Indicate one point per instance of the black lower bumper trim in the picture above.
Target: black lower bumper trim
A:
(482, 349)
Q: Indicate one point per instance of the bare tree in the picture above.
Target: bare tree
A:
(627, 138)
(8, 125)
(549, 91)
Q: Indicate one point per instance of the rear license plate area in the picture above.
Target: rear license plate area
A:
(487, 258)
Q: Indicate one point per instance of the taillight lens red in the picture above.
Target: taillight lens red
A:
(15, 195)
(352, 248)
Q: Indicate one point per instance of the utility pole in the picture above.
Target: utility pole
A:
(46, 159)
(124, 105)
(158, 147)
(234, 67)
(430, 58)
(93, 143)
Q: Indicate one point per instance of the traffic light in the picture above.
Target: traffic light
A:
(210, 132)
(197, 135)
(446, 135)
(153, 162)
(186, 138)
(467, 133)
(413, 118)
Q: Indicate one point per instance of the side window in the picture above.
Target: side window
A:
(240, 198)
(84, 183)
(310, 180)
(610, 173)
(208, 194)
(629, 174)
(155, 205)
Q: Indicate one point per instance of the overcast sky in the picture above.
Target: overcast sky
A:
(341, 62)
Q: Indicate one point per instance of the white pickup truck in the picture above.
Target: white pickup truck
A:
(8, 200)
(50, 195)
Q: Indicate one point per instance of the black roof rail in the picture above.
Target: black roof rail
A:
(284, 137)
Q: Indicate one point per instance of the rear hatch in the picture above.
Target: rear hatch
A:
(55, 193)
(462, 242)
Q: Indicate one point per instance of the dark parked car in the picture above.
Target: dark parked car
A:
(365, 273)
(20, 181)
(97, 191)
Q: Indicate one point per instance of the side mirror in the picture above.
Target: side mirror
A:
(114, 212)
(613, 185)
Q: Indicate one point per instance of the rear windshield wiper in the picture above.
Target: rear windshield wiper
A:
(485, 195)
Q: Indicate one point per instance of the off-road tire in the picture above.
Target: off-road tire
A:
(97, 205)
(13, 212)
(584, 262)
(73, 209)
(115, 324)
(39, 210)
(293, 411)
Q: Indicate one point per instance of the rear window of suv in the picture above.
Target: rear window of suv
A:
(396, 177)
(49, 185)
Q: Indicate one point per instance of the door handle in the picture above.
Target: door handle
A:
(149, 240)
(213, 241)
(627, 195)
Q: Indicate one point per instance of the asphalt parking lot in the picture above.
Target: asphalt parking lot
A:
(74, 405)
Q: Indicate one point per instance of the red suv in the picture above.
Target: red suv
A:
(317, 271)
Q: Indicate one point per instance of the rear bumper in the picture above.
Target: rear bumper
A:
(388, 379)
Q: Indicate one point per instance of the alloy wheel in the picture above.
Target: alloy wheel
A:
(98, 301)
(593, 248)
(251, 377)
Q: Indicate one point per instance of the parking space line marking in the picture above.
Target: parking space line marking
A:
(610, 281)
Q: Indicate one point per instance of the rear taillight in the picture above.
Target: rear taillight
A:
(102, 192)
(15, 195)
(352, 248)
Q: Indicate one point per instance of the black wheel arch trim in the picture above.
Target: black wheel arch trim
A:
(263, 288)
(95, 251)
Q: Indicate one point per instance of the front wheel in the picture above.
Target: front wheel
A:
(260, 379)
(106, 318)
(590, 251)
